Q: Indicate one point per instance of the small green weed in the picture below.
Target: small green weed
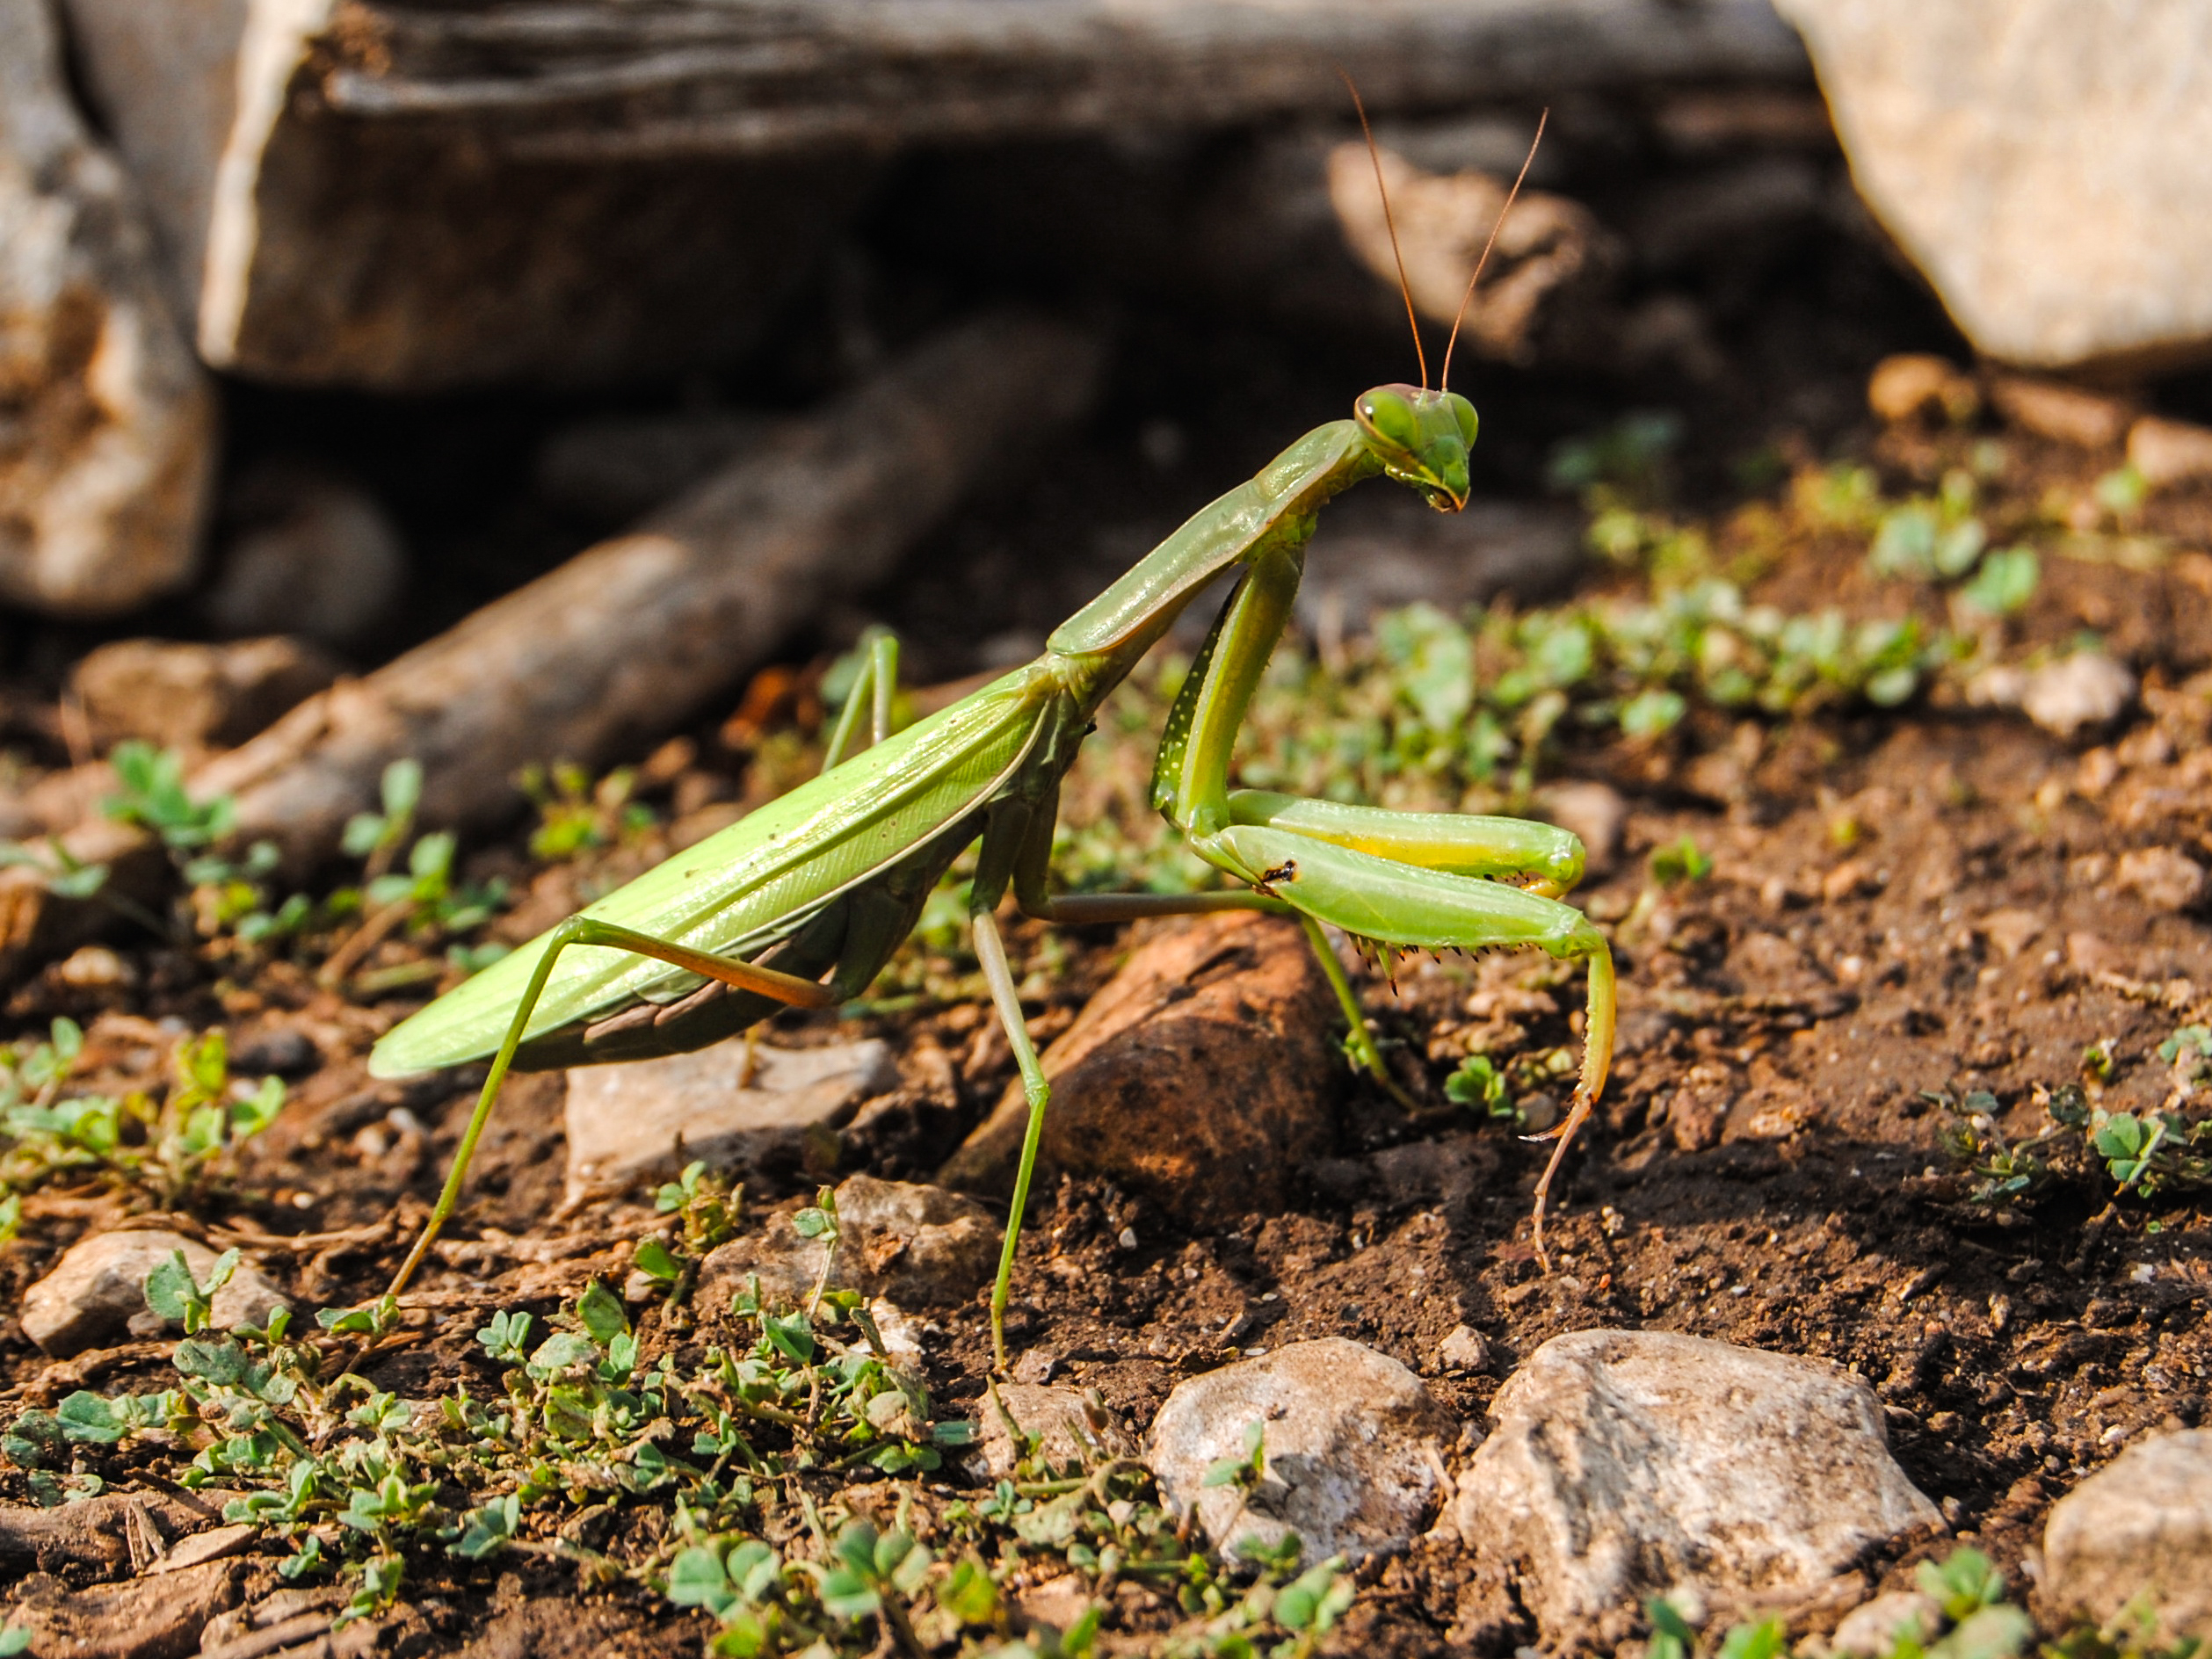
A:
(789, 1488)
(169, 1149)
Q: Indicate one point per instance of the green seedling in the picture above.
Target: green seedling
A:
(1246, 1472)
(707, 1207)
(169, 1148)
(1678, 863)
(725, 1479)
(831, 876)
(576, 815)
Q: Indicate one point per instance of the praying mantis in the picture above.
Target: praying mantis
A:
(802, 902)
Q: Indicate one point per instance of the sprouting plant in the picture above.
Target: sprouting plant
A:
(738, 1460)
(1678, 862)
(427, 898)
(169, 1148)
(173, 1291)
(2005, 581)
(2148, 1152)
(704, 1204)
(819, 1221)
(151, 794)
(576, 815)
(376, 838)
(1972, 1137)
(1968, 1592)
(1245, 1472)
(1479, 1082)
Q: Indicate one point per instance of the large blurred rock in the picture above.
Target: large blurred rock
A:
(2047, 165)
(1626, 1464)
(407, 196)
(308, 551)
(2138, 1530)
(106, 426)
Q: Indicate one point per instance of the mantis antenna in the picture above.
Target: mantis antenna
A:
(1444, 384)
(1405, 289)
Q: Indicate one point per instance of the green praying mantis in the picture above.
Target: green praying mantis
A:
(802, 902)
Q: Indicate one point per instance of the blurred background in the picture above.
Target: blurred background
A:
(329, 323)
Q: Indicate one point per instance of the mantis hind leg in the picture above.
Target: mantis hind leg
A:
(577, 930)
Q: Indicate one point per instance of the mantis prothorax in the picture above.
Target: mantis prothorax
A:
(802, 902)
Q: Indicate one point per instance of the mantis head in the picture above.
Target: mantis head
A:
(1422, 440)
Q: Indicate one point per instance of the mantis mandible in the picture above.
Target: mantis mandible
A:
(802, 902)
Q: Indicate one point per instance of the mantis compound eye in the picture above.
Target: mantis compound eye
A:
(1463, 412)
(1387, 413)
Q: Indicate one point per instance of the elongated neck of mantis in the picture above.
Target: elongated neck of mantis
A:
(1277, 504)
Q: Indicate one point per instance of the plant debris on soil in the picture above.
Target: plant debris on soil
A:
(1915, 996)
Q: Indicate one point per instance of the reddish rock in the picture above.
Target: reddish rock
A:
(1200, 1077)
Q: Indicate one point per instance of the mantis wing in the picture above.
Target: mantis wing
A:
(739, 891)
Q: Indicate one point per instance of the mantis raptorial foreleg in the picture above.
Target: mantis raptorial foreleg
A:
(1418, 879)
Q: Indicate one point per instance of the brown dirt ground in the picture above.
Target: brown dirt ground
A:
(1763, 1171)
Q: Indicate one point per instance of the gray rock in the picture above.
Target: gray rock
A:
(312, 552)
(728, 1103)
(2077, 695)
(1071, 1431)
(2056, 188)
(1351, 1442)
(1628, 1463)
(2141, 1524)
(1873, 1627)
(106, 424)
(156, 1617)
(2168, 452)
(1463, 1348)
(190, 696)
(921, 1246)
(2164, 877)
(1384, 551)
(97, 1292)
(1591, 810)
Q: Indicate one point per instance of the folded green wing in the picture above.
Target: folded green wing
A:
(739, 891)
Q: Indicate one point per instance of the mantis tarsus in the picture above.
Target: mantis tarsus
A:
(802, 902)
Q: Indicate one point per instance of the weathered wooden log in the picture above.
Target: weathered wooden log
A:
(633, 636)
(411, 196)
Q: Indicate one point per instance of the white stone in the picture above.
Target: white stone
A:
(919, 1245)
(2169, 452)
(1626, 1464)
(2047, 165)
(2140, 1525)
(1351, 1444)
(97, 1292)
(2077, 695)
(726, 1103)
(1463, 1349)
(2164, 877)
(106, 424)
(1873, 1627)
(1055, 1412)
